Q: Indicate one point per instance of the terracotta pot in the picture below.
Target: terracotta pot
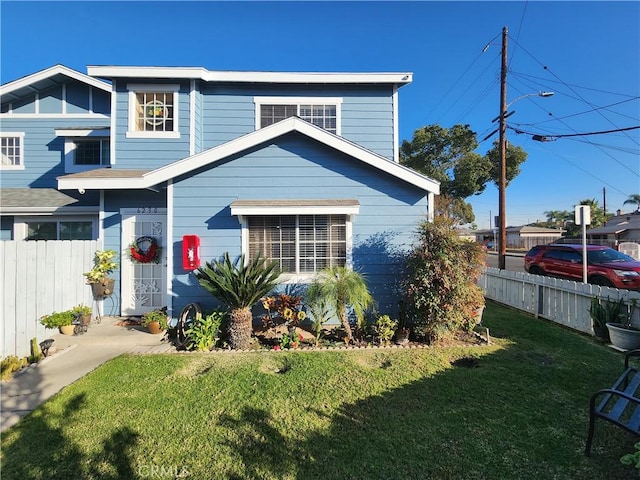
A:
(154, 327)
(85, 319)
(67, 329)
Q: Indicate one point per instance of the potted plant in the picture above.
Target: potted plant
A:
(155, 321)
(97, 277)
(622, 334)
(603, 312)
(82, 314)
(60, 320)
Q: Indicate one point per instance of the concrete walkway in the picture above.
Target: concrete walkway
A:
(71, 358)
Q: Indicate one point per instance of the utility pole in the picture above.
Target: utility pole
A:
(502, 186)
(604, 204)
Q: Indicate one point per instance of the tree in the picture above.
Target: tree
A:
(239, 285)
(558, 218)
(633, 199)
(448, 156)
(514, 158)
(341, 287)
(437, 152)
(455, 209)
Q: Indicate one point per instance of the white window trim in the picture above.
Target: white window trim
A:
(337, 101)
(19, 135)
(20, 229)
(134, 88)
(69, 150)
(298, 278)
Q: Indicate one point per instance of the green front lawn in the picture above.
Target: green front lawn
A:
(520, 412)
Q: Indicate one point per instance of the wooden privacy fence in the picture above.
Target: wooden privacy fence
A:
(561, 301)
(37, 278)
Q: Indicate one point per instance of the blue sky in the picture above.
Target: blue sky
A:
(588, 53)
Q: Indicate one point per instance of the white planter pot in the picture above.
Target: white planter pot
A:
(623, 337)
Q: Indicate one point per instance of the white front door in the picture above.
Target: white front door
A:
(144, 282)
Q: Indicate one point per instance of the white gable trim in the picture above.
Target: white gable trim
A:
(221, 152)
(50, 72)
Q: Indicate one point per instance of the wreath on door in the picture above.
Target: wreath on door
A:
(145, 250)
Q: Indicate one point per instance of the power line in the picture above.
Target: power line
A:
(461, 76)
(605, 107)
(585, 171)
(570, 88)
(572, 85)
(513, 52)
(552, 137)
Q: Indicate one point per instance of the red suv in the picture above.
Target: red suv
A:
(605, 266)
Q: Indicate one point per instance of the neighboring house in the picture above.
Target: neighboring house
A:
(624, 227)
(523, 237)
(300, 166)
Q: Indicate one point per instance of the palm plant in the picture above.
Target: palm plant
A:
(341, 287)
(633, 199)
(239, 285)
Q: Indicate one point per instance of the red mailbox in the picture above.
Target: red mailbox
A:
(190, 252)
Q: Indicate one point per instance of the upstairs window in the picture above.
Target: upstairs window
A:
(322, 112)
(93, 152)
(85, 149)
(153, 110)
(12, 151)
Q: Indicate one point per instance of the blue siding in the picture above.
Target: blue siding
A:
(296, 168)
(51, 100)
(367, 112)
(149, 153)
(198, 140)
(43, 151)
(25, 105)
(223, 113)
(78, 98)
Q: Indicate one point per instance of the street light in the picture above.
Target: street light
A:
(502, 186)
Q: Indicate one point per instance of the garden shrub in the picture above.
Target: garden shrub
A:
(384, 329)
(439, 286)
(11, 364)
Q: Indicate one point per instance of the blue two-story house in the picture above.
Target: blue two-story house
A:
(302, 167)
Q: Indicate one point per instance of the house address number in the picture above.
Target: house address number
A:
(147, 210)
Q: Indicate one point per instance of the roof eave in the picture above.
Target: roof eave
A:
(199, 73)
(10, 87)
